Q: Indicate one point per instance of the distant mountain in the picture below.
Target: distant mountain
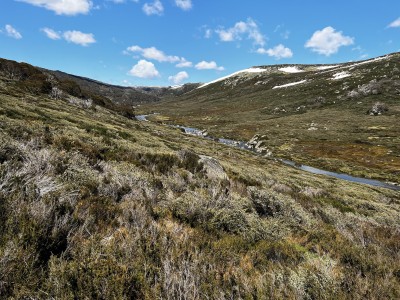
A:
(117, 94)
(42, 80)
(283, 90)
(163, 92)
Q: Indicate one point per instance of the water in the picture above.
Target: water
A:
(244, 146)
(342, 176)
(142, 118)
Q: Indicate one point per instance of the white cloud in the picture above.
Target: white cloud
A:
(64, 7)
(248, 29)
(153, 53)
(184, 4)
(328, 41)
(51, 34)
(184, 64)
(155, 8)
(279, 51)
(212, 65)
(395, 23)
(178, 78)
(12, 32)
(144, 69)
(208, 33)
(79, 38)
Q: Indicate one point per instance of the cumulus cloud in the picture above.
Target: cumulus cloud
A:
(205, 65)
(51, 34)
(395, 23)
(328, 41)
(12, 32)
(144, 69)
(279, 51)
(178, 78)
(184, 64)
(63, 7)
(72, 36)
(155, 8)
(248, 29)
(79, 38)
(184, 4)
(153, 53)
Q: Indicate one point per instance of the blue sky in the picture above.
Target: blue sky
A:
(168, 42)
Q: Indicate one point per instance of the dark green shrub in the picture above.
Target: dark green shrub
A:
(190, 161)
(71, 88)
(36, 84)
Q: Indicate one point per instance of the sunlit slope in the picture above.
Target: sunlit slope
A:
(320, 113)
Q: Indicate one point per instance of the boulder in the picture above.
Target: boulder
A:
(213, 168)
(377, 109)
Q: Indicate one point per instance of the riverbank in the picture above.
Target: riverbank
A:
(244, 146)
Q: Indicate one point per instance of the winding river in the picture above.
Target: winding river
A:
(244, 146)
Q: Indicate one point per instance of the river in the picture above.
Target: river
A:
(244, 146)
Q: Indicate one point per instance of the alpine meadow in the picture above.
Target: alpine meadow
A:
(253, 157)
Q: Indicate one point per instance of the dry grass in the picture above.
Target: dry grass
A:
(95, 205)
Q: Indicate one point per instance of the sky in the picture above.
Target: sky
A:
(172, 42)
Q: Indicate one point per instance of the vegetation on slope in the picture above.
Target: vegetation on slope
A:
(116, 94)
(323, 122)
(97, 205)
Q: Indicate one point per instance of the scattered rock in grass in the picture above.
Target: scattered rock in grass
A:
(378, 109)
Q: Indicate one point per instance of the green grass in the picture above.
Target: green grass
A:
(94, 205)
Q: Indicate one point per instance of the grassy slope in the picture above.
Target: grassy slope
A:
(346, 139)
(95, 205)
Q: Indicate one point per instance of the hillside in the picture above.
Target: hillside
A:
(28, 78)
(165, 92)
(117, 94)
(341, 117)
(97, 205)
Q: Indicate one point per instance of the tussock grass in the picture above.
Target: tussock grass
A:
(96, 205)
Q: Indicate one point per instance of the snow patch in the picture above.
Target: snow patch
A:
(290, 70)
(340, 75)
(326, 67)
(175, 87)
(289, 84)
(369, 61)
(250, 70)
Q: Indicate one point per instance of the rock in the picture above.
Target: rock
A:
(377, 109)
(257, 144)
(371, 88)
(268, 153)
(213, 168)
(260, 144)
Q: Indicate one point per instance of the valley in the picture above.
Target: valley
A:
(323, 120)
(97, 204)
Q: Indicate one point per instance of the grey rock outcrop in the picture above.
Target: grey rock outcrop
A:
(378, 109)
(258, 144)
(212, 167)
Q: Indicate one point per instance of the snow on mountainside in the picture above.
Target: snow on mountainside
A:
(303, 72)
(294, 69)
(289, 84)
(242, 72)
